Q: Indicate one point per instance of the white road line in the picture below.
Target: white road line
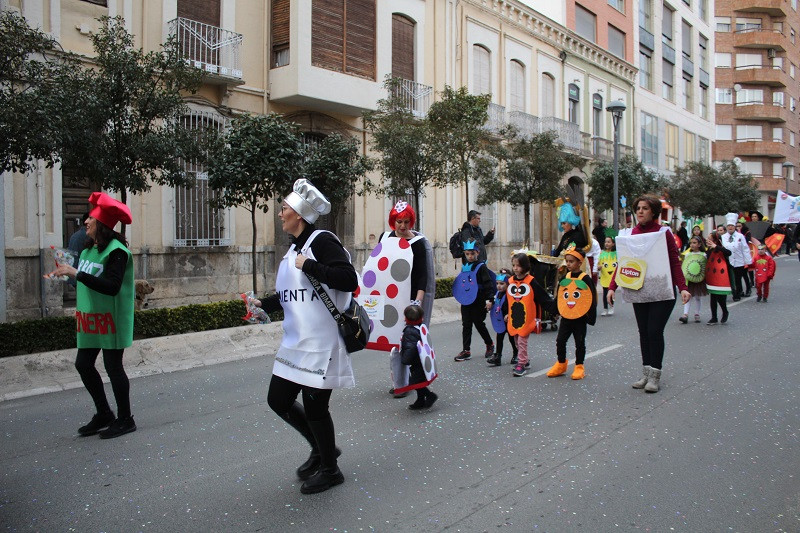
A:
(588, 355)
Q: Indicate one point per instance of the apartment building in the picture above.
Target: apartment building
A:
(320, 63)
(675, 118)
(756, 61)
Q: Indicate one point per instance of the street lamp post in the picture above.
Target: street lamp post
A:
(787, 171)
(616, 109)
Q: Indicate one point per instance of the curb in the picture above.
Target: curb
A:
(41, 373)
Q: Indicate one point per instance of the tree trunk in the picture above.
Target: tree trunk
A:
(124, 199)
(255, 278)
(526, 209)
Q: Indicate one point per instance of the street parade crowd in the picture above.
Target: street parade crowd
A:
(330, 310)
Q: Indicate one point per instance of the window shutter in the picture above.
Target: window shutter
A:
(360, 37)
(481, 77)
(516, 86)
(402, 47)
(205, 11)
(548, 96)
(327, 36)
(280, 27)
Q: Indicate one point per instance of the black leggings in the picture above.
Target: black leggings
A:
(498, 343)
(474, 314)
(112, 359)
(652, 317)
(282, 394)
(722, 301)
(576, 329)
(741, 274)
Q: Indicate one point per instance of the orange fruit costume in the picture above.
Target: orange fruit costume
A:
(524, 315)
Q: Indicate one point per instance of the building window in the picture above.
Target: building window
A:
(702, 10)
(791, 104)
(791, 70)
(724, 132)
(777, 170)
(516, 89)
(723, 24)
(777, 63)
(619, 5)
(703, 103)
(688, 147)
(666, 24)
(724, 96)
(574, 96)
(750, 97)
(343, 36)
(745, 61)
(280, 33)
(649, 140)
(687, 97)
(686, 39)
(778, 98)
(403, 47)
(196, 223)
(747, 24)
(597, 115)
(702, 42)
(748, 132)
(585, 23)
(777, 135)
(722, 60)
(791, 138)
(777, 27)
(702, 149)
(548, 108)
(646, 15)
(645, 69)
(668, 81)
(481, 70)
(671, 146)
(751, 167)
(616, 42)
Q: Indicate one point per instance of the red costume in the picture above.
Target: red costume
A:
(765, 271)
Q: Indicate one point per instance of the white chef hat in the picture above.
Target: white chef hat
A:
(308, 201)
(731, 219)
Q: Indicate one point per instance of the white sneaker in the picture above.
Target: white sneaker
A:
(604, 313)
(610, 311)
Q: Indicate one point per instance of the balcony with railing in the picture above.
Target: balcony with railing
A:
(567, 133)
(527, 125)
(766, 113)
(602, 148)
(760, 38)
(774, 8)
(772, 76)
(415, 97)
(762, 148)
(497, 118)
(212, 49)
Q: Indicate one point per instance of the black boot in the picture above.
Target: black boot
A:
(98, 422)
(296, 417)
(420, 403)
(328, 475)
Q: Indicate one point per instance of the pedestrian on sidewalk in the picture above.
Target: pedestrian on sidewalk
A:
(104, 313)
(312, 358)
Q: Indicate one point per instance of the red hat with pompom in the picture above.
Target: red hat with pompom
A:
(108, 210)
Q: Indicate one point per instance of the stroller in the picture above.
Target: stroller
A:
(545, 270)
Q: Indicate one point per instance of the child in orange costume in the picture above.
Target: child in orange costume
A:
(576, 299)
(765, 271)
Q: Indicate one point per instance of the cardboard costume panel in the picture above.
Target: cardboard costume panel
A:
(644, 270)
(574, 295)
(399, 372)
(498, 322)
(427, 358)
(694, 267)
(466, 286)
(524, 316)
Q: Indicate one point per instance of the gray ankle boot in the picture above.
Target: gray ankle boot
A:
(642, 382)
(652, 381)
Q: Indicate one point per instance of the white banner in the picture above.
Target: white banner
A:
(787, 209)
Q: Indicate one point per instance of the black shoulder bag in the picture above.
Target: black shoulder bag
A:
(353, 323)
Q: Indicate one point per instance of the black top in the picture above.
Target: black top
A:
(599, 233)
(468, 231)
(109, 281)
(409, 355)
(419, 268)
(332, 267)
(486, 284)
(575, 235)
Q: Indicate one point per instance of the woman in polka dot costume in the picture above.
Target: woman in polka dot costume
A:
(399, 271)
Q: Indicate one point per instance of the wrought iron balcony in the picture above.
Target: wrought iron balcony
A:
(416, 97)
(567, 133)
(210, 48)
(526, 125)
(497, 118)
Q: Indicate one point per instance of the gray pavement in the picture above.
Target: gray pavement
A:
(715, 450)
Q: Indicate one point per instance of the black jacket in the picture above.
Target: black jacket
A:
(575, 235)
(468, 231)
(409, 355)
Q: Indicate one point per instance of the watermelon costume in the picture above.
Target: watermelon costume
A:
(719, 274)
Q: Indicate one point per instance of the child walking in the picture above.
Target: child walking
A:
(608, 265)
(473, 289)
(415, 336)
(693, 266)
(765, 271)
(719, 277)
(576, 298)
(526, 299)
(499, 314)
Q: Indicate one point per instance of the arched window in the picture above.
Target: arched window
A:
(597, 115)
(516, 86)
(402, 47)
(548, 92)
(481, 70)
(574, 96)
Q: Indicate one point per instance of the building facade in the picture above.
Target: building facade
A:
(757, 91)
(321, 64)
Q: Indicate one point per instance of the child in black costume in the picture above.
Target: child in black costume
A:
(474, 314)
(501, 301)
(409, 355)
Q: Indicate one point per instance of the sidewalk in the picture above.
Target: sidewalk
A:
(40, 373)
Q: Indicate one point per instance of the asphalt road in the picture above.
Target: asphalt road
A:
(715, 450)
